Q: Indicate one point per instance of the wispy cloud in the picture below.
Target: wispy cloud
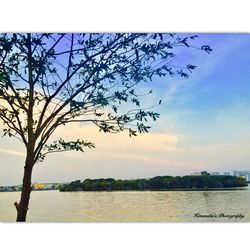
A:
(179, 91)
(121, 143)
(12, 152)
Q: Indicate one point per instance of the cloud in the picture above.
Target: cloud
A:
(121, 143)
(12, 152)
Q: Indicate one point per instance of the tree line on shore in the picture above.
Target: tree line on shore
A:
(157, 183)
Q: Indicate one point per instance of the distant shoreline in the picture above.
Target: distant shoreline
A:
(159, 183)
(162, 190)
(145, 190)
(205, 182)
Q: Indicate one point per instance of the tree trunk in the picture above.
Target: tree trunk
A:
(22, 207)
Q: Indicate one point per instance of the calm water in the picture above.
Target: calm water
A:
(130, 206)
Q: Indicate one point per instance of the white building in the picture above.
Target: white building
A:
(245, 174)
(214, 173)
(196, 173)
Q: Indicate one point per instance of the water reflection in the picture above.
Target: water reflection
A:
(171, 206)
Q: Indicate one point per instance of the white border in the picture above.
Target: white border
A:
(129, 15)
(123, 236)
(137, 16)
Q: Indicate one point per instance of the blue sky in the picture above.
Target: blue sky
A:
(204, 125)
(220, 85)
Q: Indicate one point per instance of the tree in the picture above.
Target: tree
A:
(51, 80)
(205, 173)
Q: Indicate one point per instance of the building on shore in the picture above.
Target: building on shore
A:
(245, 174)
(196, 173)
(214, 173)
(210, 173)
(35, 186)
(38, 186)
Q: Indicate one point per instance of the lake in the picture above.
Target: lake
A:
(132, 206)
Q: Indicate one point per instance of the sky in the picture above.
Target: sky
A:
(204, 125)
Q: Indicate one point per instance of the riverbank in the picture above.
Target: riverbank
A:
(145, 190)
(166, 190)
(158, 183)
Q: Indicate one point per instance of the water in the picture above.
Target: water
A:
(130, 206)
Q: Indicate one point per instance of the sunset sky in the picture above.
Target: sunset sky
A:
(204, 125)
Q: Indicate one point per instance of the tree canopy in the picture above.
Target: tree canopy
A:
(157, 183)
(49, 80)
